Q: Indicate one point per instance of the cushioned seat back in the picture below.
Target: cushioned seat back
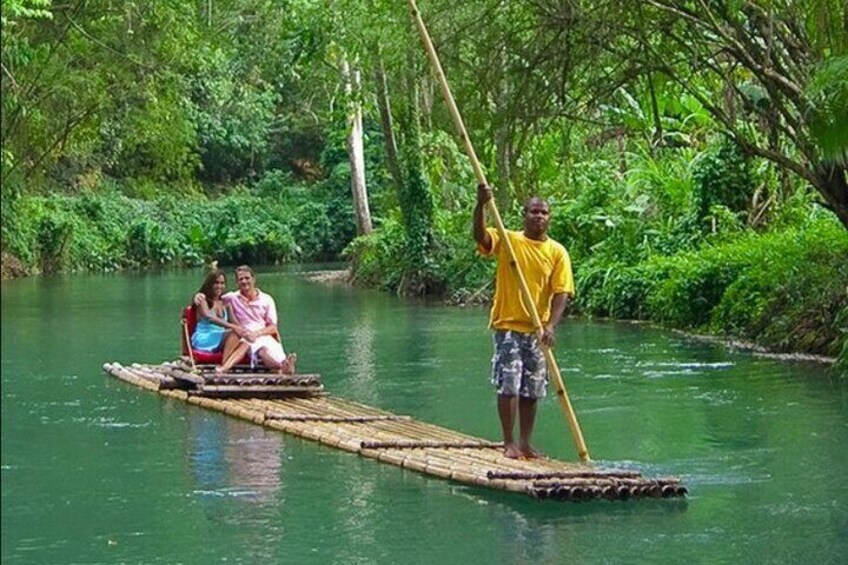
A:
(189, 323)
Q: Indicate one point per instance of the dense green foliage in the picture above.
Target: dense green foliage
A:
(698, 191)
(755, 287)
(110, 231)
(641, 252)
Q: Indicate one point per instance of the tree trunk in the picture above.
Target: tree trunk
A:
(386, 123)
(503, 151)
(503, 139)
(833, 185)
(355, 151)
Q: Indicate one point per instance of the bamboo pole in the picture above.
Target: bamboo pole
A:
(188, 346)
(562, 395)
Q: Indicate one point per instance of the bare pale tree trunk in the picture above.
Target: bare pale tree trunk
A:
(386, 123)
(503, 139)
(503, 142)
(355, 150)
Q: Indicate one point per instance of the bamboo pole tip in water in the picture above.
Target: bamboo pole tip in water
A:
(667, 491)
(561, 493)
(576, 493)
(539, 493)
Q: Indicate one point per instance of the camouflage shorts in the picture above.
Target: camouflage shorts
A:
(518, 366)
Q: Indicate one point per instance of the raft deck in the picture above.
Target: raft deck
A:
(299, 406)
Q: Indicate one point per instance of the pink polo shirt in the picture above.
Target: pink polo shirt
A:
(253, 314)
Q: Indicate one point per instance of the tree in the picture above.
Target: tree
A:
(354, 148)
(416, 202)
(766, 71)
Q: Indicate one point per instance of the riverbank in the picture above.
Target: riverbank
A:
(11, 267)
(481, 297)
(107, 231)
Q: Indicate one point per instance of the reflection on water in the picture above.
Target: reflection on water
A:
(360, 352)
(233, 458)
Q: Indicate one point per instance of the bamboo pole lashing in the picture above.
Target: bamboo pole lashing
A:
(324, 406)
(522, 476)
(415, 428)
(553, 368)
(402, 444)
(264, 389)
(408, 431)
(470, 473)
(335, 419)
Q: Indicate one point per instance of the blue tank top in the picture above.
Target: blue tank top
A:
(208, 336)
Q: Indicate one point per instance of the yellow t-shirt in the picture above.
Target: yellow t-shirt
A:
(546, 267)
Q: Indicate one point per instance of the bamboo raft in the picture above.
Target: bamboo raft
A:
(298, 405)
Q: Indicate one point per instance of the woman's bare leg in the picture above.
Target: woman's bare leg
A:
(234, 357)
(231, 342)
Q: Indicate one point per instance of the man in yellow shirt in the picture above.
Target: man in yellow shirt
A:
(519, 371)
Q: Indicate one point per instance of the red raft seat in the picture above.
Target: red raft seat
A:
(189, 322)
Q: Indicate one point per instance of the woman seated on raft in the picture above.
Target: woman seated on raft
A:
(255, 314)
(213, 317)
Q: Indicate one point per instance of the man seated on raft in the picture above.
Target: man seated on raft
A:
(256, 313)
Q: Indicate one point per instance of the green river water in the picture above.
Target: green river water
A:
(98, 471)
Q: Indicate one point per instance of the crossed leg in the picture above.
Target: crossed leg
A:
(234, 350)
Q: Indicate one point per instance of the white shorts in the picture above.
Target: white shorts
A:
(271, 345)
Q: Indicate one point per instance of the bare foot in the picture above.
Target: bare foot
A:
(219, 370)
(528, 452)
(511, 451)
(289, 365)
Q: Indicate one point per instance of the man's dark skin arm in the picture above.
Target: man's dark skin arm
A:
(558, 305)
(484, 194)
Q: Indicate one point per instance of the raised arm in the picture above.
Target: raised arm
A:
(205, 312)
(484, 194)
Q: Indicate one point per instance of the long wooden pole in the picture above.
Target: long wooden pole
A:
(562, 395)
(188, 346)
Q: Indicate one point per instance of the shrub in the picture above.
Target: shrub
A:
(378, 259)
(722, 176)
(783, 290)
(790, 296)
(108, 231)
(55, 231)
